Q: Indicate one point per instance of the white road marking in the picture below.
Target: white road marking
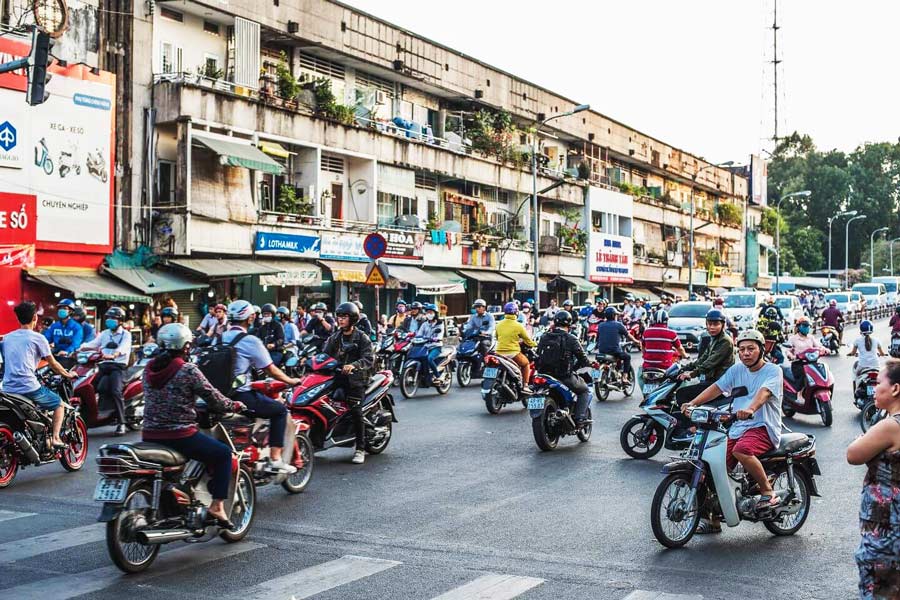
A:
(317, 579)
(492, 587)
(645, 595)
(50, 542)
(9, 515)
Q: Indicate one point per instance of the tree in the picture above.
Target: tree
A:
(806, 246)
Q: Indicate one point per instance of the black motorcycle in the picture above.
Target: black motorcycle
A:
(610, 378)
(644, 435)
(25, 431)
(470, 355)
(552, 411)
(502, 383)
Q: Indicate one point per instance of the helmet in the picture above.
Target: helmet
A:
(358, 304)
(268, 308)
(832, 302)
(610, 313)
(417, 305)
(283, 310)
(661, 317)
(770, 312)
(866, 327)
(629, 296)
(719, 301)
(114, 312)
(568, 302)
(801, 320)
(715, 315)
(319, 306)
(173, 336)
(510, 308)
(562, 318)
(752, 335)
(401, 302)
(239, 310)
(78, 312)
(430, 306)
(169, 312)
(530, 301)
(66, 302)
(256, 309)
(350, 309)
(479, 302)
(526, 304)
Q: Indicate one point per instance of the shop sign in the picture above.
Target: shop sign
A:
(19, 256)
(286, 244)
(17, 218)
(306, 277)
(405, 245)
(342, 247)
(611, 259)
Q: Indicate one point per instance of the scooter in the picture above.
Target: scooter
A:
(699, 483)
(68, 160)
(590, 345)
(86, 399)
(502, 383)
(552, 411)
(42, 157)
(471, 354)
(830, 339)
(609, 378)
(416, 373)
(636, 330)
(391, 353)
(644, 435)
(864, 399)
(96, 165)
(810, 397)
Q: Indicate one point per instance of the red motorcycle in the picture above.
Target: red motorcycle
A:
(391, 353)
(319, 406)
(85, 398)
(590, 346)
(636, 329)
(812, 396)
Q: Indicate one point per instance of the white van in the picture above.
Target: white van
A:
(874, 293)
(743, 307)
(891, 286)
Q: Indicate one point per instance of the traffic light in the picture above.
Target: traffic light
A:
(38, 75)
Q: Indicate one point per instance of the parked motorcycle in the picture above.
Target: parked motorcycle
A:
(609, 378)
(830, 339)
(318, 405)
(416, 373)
(502, 383)
(552, 411)
(97, 413)
(812, 396)
(25, 431)
(96, 165)
(471, 355)
(153, 495)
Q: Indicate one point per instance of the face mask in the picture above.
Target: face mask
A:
(804, 329)
(401, 309)
(267, 319)
(430, 316)
(62, 313)
(111, 324)
(277, 317)
(526, 309)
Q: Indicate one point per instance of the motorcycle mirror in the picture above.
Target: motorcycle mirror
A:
(739, 392)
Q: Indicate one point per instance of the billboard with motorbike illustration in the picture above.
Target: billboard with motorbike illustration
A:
(60, 152)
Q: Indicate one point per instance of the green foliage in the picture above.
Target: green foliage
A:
(287, 200)
(807, 245)
(208, 70)
(729, 214)
(574, 237)
(635, 190)
(327, 104)
(494, 134)
(770, 220)
(288, 88)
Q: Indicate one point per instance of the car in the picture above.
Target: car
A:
(743, 307)
(790, 308)
(847, 302)
(875, 294)
(891, 286)
(688, 320)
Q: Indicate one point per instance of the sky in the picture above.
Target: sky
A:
(692, 73)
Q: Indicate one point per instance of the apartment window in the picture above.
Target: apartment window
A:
(392, 206)
(211, 65)
(321, 67)
(173, 15)
(170, 58)
(364, 80)
(333, 164)
(165, 183)
(210, 27)
(426, 181)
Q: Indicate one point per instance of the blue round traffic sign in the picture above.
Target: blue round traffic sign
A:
(375, 245)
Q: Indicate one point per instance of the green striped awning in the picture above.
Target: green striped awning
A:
(89, 285)
(237, 154)
(157, 281)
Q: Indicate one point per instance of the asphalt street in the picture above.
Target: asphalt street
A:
(461, 505)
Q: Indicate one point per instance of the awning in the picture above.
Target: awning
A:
(353, 272)
(293, 272)
(639, 293)
(431, 283)
(275, 149)
(89, 285)
(453, 283)
(580, 283)
(487, 276)
(525, 282)
(223, 268)
(156, 281)
(238, 154)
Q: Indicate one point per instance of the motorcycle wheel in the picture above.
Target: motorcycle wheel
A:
(136, 423)
(75, 453)
(304, 460)
(632, 381)
(673, 522)
(827, 417)
(383, 444)
(48, 166)
(243, 508)
(9, 459)
(126, 553)
(636, 428)
(788, 412)
(869, 416)
(542, 438)
(409, 381)
(791, 524)
(444, 387)
(601, 390)
(464, 374)
(585, 433)
(492, 400)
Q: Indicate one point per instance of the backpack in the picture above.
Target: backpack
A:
(552, 357)
(217, 363)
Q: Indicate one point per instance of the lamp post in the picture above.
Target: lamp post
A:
(535, 219)
(691, 242)
(805, 194)
(849, 213)
(847, 249)
(892, 253)
(872, 248)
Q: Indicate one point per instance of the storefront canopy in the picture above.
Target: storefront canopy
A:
(237, 154)
(351, 272)
(638, 293)
(487, 276)
(580, 283)
(222, 268)
(156, 281)
(293, 272)
(89, 285)
(435, 282)
(525, 282)
(451, 283)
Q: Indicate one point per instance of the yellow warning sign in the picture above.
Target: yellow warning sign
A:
(375, 277)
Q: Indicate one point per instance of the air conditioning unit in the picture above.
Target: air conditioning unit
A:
(381, 97)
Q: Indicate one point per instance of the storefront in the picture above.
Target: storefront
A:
(491, 286)
(164, 286)
(524, 283)
(577, 289)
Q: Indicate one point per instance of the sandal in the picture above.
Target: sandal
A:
(707, 527)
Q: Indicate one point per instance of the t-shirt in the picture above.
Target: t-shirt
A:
(609, 336)
(120, 339)
(770, 377)
(660, 347)
(22, 350)
(868, 359)
(250, 353)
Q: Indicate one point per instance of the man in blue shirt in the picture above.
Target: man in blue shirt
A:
(610, 334)
(65, 335)
(481, 324)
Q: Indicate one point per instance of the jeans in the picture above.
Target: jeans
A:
(111, 385)
(45, 398)
(432, 364)
(213, 453)
(577, 385)
(354, 386)
(266, 408)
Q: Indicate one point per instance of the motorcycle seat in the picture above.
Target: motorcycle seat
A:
(158, 454)
(606, 358)
(375, 382)
(790, 442)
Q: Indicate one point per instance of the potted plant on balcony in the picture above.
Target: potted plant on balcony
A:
(288, 204)
(288, 87)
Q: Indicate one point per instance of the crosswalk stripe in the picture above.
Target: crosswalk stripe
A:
(492, 587)
(647, 595)
(9, 515)
(64, 587)
(317, 579)
(50, 542)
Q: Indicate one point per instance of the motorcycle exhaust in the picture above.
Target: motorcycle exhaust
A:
(26, 448)
(510, 393)
(162, 536)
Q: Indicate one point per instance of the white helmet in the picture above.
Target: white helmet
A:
(173, 336)
(662, 317)
(239, 310)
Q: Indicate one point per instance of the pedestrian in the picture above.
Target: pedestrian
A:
(878, 555)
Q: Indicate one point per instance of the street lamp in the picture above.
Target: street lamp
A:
(535, 220)
(892, 253)
(848, 213)
(847, 249)
(691, 242)
(872, 248)
(804, 194)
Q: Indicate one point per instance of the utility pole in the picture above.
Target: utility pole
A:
(775, 63)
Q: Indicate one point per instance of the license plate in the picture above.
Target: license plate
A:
(870, 390)
(111, 490)
(648, 387)
(693, 453)
(536, 403)
(490, 373)
(595, 374)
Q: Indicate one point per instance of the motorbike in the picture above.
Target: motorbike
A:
(25, 431)
(864, 399)
(68, 161)
(42, 157)
(590, 343)
(471, 355)
(96, 165)
(290, 360)
(416, 373)
(812, 396)
(699, 483)
(392, 352)
(644, 435)
(895, 345)
(636, 330)
(318, 406)
(830, 339)
(502, 382)
(97, 413)
(552, 410)
(609, 378)
(153, 495)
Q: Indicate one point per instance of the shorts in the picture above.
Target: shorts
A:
(753, 442)
(44, 398)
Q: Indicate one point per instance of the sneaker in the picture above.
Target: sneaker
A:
(359, 457)
(279, 466)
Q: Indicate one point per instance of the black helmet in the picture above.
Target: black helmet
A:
(169, 312)
(716, 315)
(350, 309)
(562, 319)
(268, 308)
(897, 310)
(770, 312)
(78, 312)
(115, 312)
(416, 304)
(610, 313)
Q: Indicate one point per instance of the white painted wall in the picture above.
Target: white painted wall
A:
(195, 43)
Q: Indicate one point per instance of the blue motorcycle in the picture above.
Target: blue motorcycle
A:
(416, 373)
(470, 355)
(552, 411)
